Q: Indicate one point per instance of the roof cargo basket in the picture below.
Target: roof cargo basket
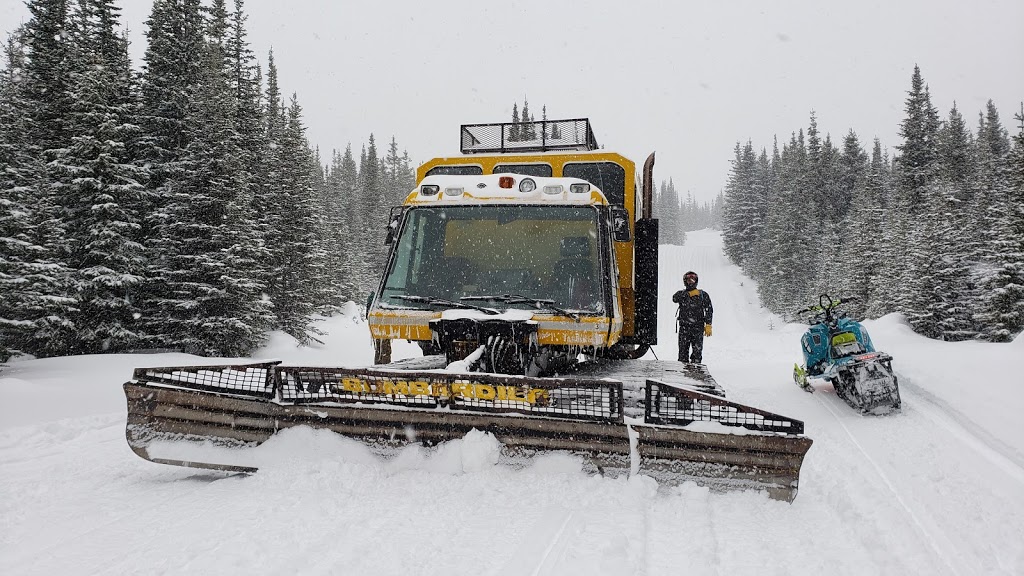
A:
(537, 136)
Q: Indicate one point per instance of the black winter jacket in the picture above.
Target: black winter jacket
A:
(694, 310)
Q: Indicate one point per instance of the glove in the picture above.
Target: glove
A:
(707, 329)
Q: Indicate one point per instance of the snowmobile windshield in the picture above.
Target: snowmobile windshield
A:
(536, 253)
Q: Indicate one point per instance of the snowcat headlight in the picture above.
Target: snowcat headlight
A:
(556, 189)
(429, 189)
(527, 185)
(454, 191)
(579, 188)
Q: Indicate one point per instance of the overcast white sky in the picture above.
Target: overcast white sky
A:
(685, 79)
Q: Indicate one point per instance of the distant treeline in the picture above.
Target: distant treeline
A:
(936, 232)
(678, 216)
(176, 207)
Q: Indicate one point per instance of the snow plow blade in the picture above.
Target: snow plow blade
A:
(212, 417)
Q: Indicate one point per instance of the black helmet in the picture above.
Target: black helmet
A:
(690, 279)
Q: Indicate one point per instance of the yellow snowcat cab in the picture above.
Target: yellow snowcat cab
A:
(536, 214)
(526, 270)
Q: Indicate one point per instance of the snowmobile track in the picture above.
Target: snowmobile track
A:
(925, 533)
(952, 421)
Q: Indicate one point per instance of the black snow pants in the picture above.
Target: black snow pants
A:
(691, 336)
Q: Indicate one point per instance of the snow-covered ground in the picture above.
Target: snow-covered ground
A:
(935, 489)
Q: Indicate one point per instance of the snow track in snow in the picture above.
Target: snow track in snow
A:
(926, 533)
(954, 422)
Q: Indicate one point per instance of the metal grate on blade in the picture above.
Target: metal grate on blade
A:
(255, 380)
(599, 400)
(668, 404)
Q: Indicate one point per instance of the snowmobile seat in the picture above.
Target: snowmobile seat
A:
(845, 344)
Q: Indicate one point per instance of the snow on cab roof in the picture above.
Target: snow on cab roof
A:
(501, 188)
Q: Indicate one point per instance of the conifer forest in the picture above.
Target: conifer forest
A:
(935, 231)
(178, 205)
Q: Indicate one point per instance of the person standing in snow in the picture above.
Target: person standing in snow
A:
(694, 317)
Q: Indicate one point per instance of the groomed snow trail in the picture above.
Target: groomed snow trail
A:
(935, 489)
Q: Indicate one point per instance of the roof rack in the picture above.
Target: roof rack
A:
(536, 136)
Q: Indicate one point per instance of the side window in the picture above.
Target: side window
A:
(455, 171)
(542, 170)
(608, 176)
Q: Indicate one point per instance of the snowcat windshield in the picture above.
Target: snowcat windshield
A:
(548, 253)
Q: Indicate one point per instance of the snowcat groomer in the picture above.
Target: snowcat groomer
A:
(526, 270)
(838, 349)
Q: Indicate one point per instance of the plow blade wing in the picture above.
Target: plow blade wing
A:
(212, 417)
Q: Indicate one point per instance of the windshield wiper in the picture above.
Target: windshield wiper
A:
(443, 302)
(538, 303)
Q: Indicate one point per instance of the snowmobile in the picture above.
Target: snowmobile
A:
(526, 270)
(838, 349)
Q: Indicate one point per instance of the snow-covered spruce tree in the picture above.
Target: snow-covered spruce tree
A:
(394, 179)
(17, 252)
(717, 209)
(335, 221)
(330, 299)
(865, 250)
(949, 216)
(667, 212)
(46, 298)
(515, 130)
(301, 282)
(814, 177)
(1002, 179)
(374, 214)
(917, 169)
(765, 187)
(216, 307)
(101, 194)
(842, 170)
(171, 76)
(406, 175)
(292, 271)
(347, 176)
(743, 207)
(271, 195)
(826, 277)
(803, 244)
(919, 151)
(992, 148)
(827, 201)
(244, 80)
(527, 131)
(855, 251)
(788, 247)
